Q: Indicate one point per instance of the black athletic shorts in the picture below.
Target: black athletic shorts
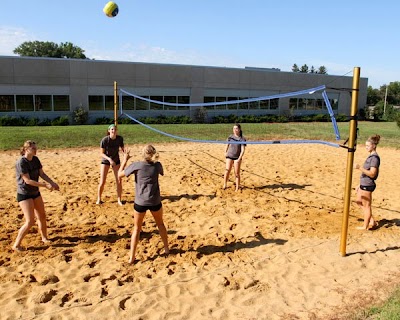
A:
(368, 188)
(22, 197)
(143, 209)
(232, 158)
(106, 162)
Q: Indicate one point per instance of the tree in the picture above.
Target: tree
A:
(70, 51)
(38, 49)
(49, 49)
(373, 96)
(304, 68)
(322, 70)
(393, 93)
(295, 68)
(382, 113)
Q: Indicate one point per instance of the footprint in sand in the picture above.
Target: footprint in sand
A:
(44, 297)
(122, 303)
(104, 292)
(49, 279)
(66, 297)
(67, 256)
(90, 276)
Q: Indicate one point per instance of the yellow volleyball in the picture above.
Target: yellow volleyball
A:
(110, 9)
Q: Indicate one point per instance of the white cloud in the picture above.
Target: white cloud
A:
(155, 54)
(12, 37)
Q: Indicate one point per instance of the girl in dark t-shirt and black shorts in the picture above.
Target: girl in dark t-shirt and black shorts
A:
(28, 170)
(110, 146)
(369, 173)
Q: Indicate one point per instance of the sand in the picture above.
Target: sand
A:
(269, 251)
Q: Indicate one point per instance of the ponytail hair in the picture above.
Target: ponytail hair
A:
(150, 154)
(374, 139)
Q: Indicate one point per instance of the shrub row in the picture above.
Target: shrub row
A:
(277, 118)
(64, 120)
(147, 120)
(25, 121)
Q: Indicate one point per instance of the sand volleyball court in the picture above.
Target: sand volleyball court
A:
(270, 251)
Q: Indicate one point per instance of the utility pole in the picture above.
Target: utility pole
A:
(384, 103)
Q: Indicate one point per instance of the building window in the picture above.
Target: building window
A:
(220, 106)
(232, 106)
(142, 104)
(254, 105)
(274, 104)
(109, 102)
(310, 104)
(96, 103)
(158, 105)
(170, 99)
(43, 103)
(24, 102)
(243, 105)
(334, 103)
(128, 103)
(131, 103)
(185, 100)
(61, 103)
(264, 104)
(7, 103)
(209, 100)
(293, 103)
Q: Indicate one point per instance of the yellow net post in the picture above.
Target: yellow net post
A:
(115, 103)
(350, 159)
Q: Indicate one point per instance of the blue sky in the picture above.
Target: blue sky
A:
(339, 35)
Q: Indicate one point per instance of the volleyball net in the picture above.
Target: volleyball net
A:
(131, 103)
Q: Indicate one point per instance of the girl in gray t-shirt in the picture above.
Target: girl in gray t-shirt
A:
(147, 194)
(234, 154)
(369, 173)
(28, 170)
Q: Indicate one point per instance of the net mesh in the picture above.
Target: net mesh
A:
(130, 103)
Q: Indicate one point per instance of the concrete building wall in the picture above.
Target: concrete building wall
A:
(81, 78)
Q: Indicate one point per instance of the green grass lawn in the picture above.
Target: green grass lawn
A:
(389, 310)
(90, 135)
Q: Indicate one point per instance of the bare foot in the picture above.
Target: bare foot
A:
(361, 228)
(224, 187)
(120, 203)
(17, 248)
(373, 226)
(131, 260)
(46, 240)
(99, 201)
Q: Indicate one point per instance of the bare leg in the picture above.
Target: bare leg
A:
(138, 221)
(228, 168)
(237, 164)
(158, 217)
(364, 199)
(103, 177)
(41, 218)
(28, 210)
(119, 183)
